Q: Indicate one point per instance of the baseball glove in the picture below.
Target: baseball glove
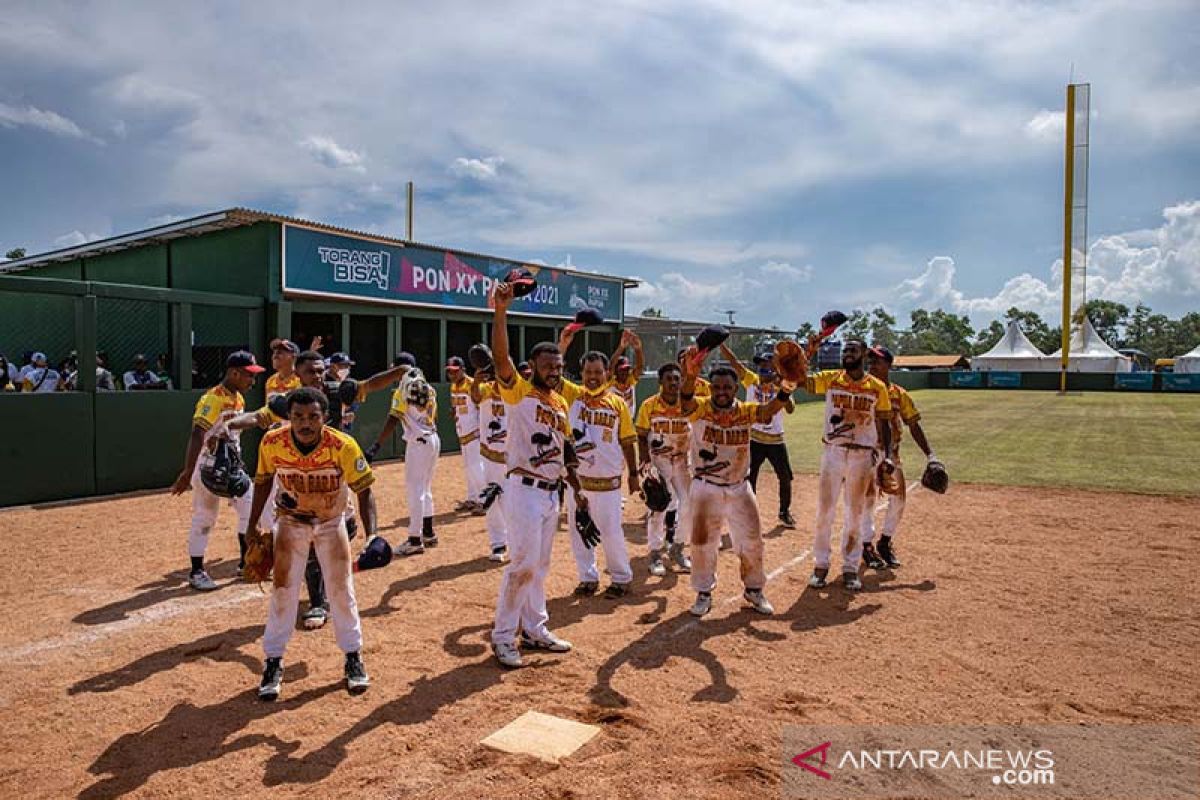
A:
(480, 356)
(221, 471)
(489, 494)
(891, 481)
(278, 406)
(260, 556)
(936, 479)
(790, 361)
(655, 490)
(348, 392)
(588, 531)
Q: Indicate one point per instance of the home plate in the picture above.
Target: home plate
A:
(542, 736)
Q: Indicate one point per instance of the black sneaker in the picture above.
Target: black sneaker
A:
(429, 539)
(616, 591)
(787, 520)
(272, 680)
(586, 588)
(356, 674)
(871, 558)
(886, 553)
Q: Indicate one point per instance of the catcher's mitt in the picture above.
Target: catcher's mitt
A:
(655, 490)
(260, 556)
(936, 478)
(790, 361)
(221, 472)
(588, 531)
(891, 481)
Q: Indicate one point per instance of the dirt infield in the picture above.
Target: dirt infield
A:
(1013, 605)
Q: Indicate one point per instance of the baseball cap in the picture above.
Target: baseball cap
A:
(454, 362)
(882, 352)
(285, 344)
(523, 367)
(243, 359)
(38, 358)
(404, 358)
(621, 363)
(339, 359)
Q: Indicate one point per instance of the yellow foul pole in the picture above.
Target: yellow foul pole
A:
(1068, 207)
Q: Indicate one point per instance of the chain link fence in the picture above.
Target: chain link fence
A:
(37, 323)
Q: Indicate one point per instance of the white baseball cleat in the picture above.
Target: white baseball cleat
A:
(657, 567)
(409, 548)
(550, 643)
(852, 582)
(201, 582)
(754, 597)
(507, 654)
(314, 618)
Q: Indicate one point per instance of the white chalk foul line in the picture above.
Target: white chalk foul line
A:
(178, 607)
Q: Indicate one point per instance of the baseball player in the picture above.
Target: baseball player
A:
(493, 444)
(414, 407)
(315, 468)
(903, 411)
(539, 453)
(603, 435)
(217, 404)
(766, 439)
(283, 361)
(720, 493)
(623, 378)
(525, 370)
(857, 413)
(466, 425)
(664, 435)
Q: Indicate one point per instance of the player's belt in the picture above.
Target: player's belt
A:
(722, 485)
(852, 446)
(762, 437)
(491, 455)
(599, 484)
(549, 486)
(467, 438)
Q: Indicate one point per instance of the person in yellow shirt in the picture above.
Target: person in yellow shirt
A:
(215, 406)
(904, 410)
(466, 426)
(283, 361)
(539, 453)
(315, 469)
(858, 411)
(664, 436)
(493, 444)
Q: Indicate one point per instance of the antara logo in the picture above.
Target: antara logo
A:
(370, 267)
(802, 760)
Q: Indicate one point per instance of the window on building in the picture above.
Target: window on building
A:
(461, 335)
(421, 338)
(368, 344)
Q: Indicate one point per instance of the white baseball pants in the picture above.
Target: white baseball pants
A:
(850, 472)
(420, 458)
(678, 478)
(496, 527)
(292, 541)
(891, 516)
(710, 508)
(532, 517)
(605, 508)
(473, 463)
(206, 507)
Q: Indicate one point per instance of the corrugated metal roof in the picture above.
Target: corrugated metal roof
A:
(233, 218)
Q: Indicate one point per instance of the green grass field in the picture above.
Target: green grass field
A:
(1148, 443)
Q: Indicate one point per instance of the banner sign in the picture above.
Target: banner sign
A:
(966, 380)
(331, 265)
(1177, 382)
(1136, 381)
(1004, 380)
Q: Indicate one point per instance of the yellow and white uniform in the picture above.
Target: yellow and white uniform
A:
(904, 412)
(421, 447)
(215, 405)
(493, 439)
(720, 493)
(848, 463)
(277, 384)
(466, 425)
(537, 427)
(770, 432)
(668, 432)
(626, 390)
(601, 426)
(313, 485)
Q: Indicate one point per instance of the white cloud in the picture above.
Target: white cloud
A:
(331, 154)
(49, 121)
(1046, 125)
(757, 295)
(1159, 267)
(782, 269)
(481, 169)
(76, 238)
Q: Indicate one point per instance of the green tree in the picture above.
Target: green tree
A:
(883, 329)
(805, 330)
(988, 337)
(1108, 318)
(653, 312)
(858, 326)
(15, 253)
(1043, 337)
(937, 333)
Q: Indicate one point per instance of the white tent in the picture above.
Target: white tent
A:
(1014, 352)
(1188, 362)
(1090, 353)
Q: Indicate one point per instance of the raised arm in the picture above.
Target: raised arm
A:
(501, 298)
(690, 366)
(737, 365)
(639, 356)
(382, 380)
(565, 337)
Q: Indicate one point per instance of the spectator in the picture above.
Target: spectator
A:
(140, 378)
(163, 369)
(68, 369)
(104, 378)
(339, 367)
(40, 378)
(9, 375)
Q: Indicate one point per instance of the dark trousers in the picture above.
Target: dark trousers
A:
(777, 454)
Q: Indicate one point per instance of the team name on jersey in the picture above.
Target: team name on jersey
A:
(670, 425)
(310, 483)
(461, 402)
(497, 408)
(729, 436)
(856, 402)
(544, 415)
(602, 417)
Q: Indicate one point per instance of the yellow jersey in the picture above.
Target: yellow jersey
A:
(216, 404)
(314, 484)
(851, 407)
(720, 446)
(277, 384)
(903, 410)
(667, 428)
(537, 425)
(600, 423)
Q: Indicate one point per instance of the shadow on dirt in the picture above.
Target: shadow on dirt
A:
(169, 587)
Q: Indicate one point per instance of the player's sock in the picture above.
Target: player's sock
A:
(671, 520)
(241, 548)
(197, 564)
(427, 526)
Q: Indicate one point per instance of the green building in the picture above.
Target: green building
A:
(192, 291)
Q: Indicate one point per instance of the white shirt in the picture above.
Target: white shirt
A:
(40, 379)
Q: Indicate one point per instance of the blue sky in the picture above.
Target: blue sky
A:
(774, 158)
